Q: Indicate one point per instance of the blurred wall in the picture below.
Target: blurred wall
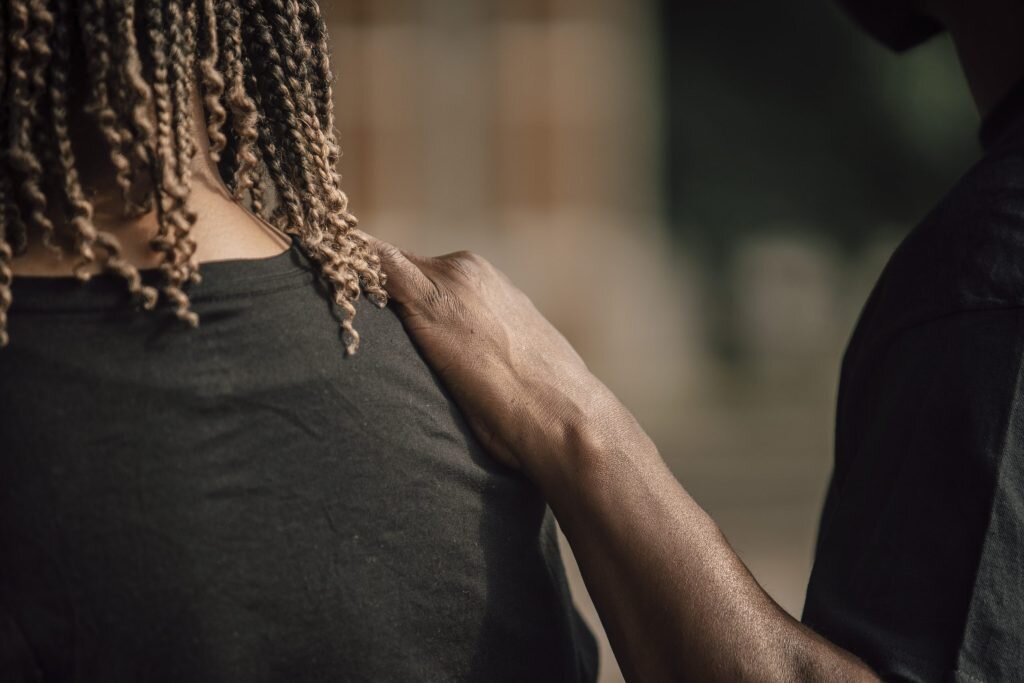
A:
(699, 194)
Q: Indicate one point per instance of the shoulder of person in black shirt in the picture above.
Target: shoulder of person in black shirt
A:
(241, 502)
(917, 566)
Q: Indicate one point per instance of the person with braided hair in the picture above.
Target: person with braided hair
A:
(206, 472)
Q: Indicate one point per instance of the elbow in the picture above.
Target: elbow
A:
(815, 660)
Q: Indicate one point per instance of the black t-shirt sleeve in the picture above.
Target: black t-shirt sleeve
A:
(919, 553)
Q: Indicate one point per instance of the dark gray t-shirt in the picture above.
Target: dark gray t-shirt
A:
(920, 560)
(241, 503)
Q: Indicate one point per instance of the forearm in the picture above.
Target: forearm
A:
(677, 602)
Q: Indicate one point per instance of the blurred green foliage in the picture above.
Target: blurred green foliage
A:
(783, 114)
(783, 118)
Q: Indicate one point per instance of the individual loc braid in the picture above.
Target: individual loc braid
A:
(181, 21)
(288, 215)
(170, 195)
(258, 175)
(243, 110)
(181, 62)
(320, 65)
(22, 154)
(6, 278)
(79, 207)
(7, 208)
(136, 99)
(322, 80)
(261, 70)
(42, 21)
(6, 252)
(162, 163)
(120, 99)
(213, 82)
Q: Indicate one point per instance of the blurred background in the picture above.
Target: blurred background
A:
(699, 194)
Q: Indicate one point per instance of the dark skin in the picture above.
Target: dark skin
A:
(676, 601)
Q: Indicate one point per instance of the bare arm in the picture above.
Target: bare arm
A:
(676, 601)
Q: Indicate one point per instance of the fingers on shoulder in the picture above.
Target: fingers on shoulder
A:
(406, 282)
(435, 287)
(391, 257)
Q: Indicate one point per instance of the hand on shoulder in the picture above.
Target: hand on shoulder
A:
(526, 392)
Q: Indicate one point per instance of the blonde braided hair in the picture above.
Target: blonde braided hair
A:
(263, 75)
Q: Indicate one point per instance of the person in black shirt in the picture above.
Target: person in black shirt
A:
(917, 575)
(236, 501)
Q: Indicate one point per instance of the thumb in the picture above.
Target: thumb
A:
(406, 283)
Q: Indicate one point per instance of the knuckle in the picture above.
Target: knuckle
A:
(391, 252)
(470, 268)
(469, 261)
(387, 257)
